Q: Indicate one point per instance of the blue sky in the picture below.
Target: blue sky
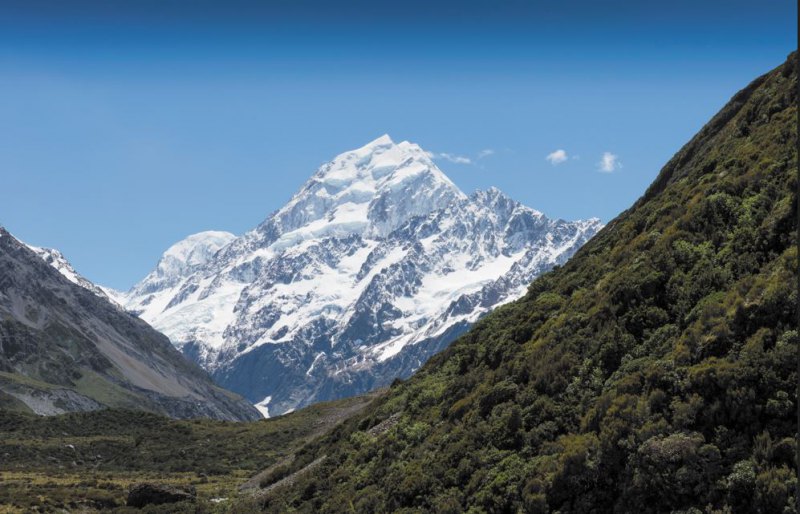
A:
(126, 126)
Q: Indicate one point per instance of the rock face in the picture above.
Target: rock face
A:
(142, 495)
(377, 263)
(68, 348)
(57, 260)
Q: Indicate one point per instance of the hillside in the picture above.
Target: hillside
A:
(66, 348)
(655, 371)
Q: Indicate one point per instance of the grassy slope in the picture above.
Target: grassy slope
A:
(88, 460)
(656, 371)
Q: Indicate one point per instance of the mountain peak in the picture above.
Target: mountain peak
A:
(370, 190)
(194, 249)
(497, 200)
(182, 258)
(60, 263)
(491, 194)
(384, 140)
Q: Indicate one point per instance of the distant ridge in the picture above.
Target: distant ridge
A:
(64, 346)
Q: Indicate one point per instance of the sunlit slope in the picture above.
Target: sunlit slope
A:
(655, 371)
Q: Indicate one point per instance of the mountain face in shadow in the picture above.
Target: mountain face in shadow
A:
(66, 348)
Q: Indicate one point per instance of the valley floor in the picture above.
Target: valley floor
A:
(84, 462)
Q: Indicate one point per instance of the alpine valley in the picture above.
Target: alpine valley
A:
(377, 263)
(655, 371)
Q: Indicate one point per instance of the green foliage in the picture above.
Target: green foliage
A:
(654, 372)
(86, 461)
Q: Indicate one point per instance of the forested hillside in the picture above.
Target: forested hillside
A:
(656, 371)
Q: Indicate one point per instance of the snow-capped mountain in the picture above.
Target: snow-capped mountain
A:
(378, 262)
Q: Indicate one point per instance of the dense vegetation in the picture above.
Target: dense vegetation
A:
(86, 461)
(654, 372)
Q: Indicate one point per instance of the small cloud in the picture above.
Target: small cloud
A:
(485, 153)
(609, 163)
(457, 159)
(557, 157)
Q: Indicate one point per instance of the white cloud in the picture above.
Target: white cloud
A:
(609, 163)
(457, 159)
(557, 157)
(462, 159)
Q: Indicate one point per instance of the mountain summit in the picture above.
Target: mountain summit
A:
(370, 191)
(376, 263)
(182, 259)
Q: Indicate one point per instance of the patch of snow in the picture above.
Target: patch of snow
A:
(263, 406)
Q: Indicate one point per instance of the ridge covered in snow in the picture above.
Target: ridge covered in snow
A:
(57, 260)
(376, 263)
(176, 263)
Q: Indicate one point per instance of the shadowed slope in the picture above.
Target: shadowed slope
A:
(63, 349)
